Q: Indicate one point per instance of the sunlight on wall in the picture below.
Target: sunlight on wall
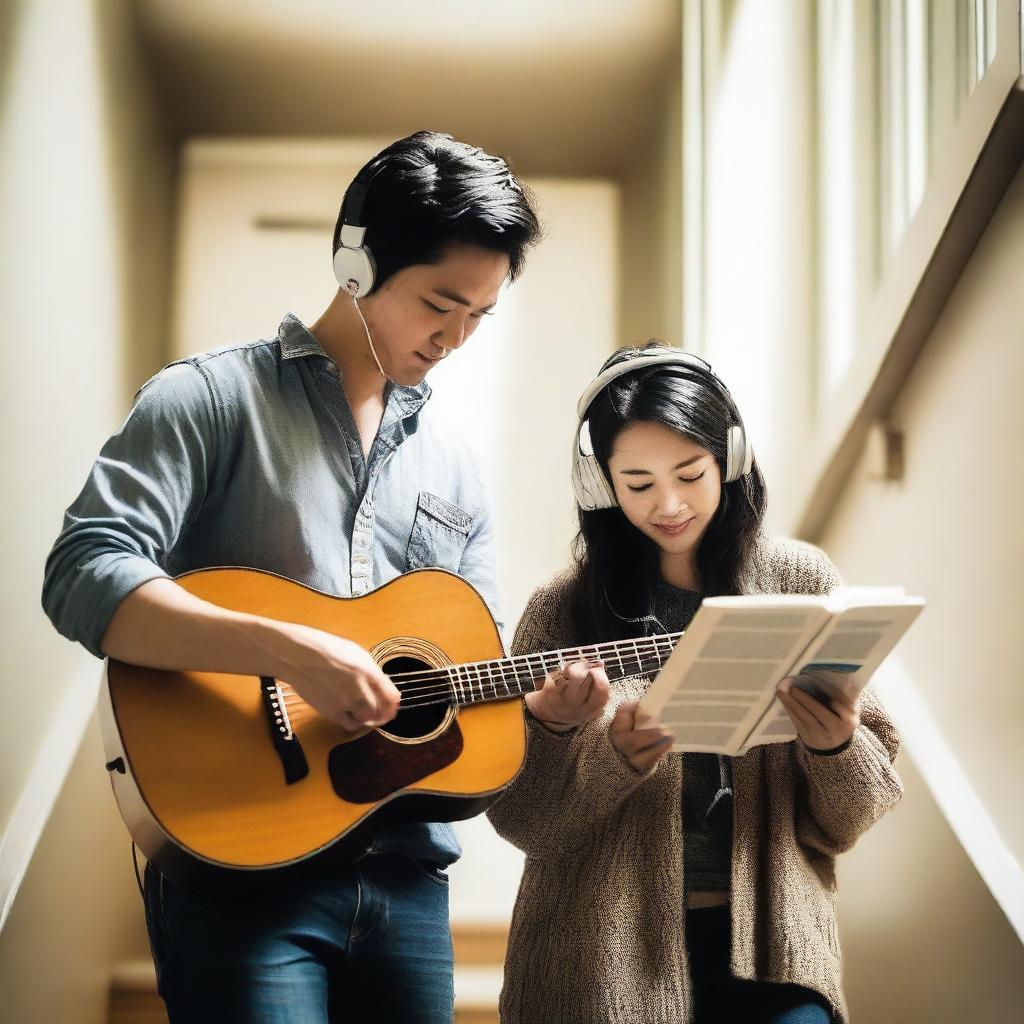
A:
(759, 207)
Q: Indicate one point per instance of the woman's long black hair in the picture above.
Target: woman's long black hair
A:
(617, 566)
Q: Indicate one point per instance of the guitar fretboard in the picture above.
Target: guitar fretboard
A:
(482, 681)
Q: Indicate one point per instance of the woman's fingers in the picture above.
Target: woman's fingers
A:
(581, 680)
(641, 744)
(809, 708)
(649, 756)
(572, 694)
(821, 727)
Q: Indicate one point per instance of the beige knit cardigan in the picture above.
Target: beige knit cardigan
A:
(597, 932)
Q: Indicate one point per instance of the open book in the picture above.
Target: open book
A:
(716, 692)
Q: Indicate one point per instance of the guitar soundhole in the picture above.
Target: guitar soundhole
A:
(427, 700)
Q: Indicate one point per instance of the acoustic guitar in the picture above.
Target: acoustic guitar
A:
(221, 777)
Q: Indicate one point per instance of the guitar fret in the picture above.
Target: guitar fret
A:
(526, 683)
(668, 653)
(478, 682)
(538, 671)
(457, 681)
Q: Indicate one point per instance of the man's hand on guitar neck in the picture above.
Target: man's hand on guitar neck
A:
(570, 696)
(161, 625)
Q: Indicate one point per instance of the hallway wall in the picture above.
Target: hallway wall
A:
(86, 189)
(950, 531)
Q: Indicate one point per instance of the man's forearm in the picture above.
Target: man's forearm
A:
(161, 625)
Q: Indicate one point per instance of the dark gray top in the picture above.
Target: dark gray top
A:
(707, 778)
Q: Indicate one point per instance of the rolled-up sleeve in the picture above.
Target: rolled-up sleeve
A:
(148, 483)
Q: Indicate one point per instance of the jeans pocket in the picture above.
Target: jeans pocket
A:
(437, 873)
(439, 534)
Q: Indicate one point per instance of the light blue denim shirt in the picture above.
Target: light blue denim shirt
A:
(250, 456)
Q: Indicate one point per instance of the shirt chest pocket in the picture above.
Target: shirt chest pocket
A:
(439, 534)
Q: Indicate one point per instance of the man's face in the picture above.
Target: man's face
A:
(426, 311)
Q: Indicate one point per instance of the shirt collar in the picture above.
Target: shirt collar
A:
(297, 341)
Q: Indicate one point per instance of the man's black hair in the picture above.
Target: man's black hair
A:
(429, 190)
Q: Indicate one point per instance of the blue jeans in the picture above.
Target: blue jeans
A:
(367, 942)
(718, 995)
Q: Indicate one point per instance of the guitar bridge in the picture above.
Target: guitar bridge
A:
(288, 748)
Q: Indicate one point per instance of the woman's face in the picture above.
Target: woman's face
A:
(667, 485)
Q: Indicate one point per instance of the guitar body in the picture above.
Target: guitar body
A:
(208, 794)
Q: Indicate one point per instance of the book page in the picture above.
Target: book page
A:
(842, 658)
(718, 683)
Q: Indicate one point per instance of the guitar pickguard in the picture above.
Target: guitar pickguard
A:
(373, 767)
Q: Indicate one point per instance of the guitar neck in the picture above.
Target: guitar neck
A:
(506, 678)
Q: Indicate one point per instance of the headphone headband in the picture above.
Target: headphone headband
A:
(645, 357)
(352, 208)
(592, 488)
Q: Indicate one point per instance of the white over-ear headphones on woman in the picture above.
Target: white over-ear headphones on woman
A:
(593, 491)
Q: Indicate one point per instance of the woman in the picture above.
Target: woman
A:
(661, 887)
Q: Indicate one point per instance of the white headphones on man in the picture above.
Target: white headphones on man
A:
(354, 265)
(593, 491)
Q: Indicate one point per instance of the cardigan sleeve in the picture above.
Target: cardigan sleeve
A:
(841, 795)
(846, 793)
(571, 782)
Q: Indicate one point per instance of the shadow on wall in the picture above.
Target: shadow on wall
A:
(10, 13)
(143, 178)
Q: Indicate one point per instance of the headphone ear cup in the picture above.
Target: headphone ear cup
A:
(748, 456)
(592, 489)
(734, 444)
(355, 266)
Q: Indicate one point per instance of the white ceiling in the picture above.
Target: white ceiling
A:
(563, 87)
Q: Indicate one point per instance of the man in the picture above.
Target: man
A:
(310, 455)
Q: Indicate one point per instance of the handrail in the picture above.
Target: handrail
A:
(951, 789)
(45, 780)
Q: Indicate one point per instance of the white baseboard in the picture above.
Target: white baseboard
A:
(963, 809)
(44, 783)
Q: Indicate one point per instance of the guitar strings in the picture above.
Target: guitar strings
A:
(610, 646)
(440, 683)
(425, 700)
(445, 675)
(443, 680)
(485, 673)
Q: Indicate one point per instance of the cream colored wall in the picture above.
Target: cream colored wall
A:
(758, 229)
(950, 531)
(650, 264)
(85, 191)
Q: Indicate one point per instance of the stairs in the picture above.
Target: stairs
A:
(479, 955)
